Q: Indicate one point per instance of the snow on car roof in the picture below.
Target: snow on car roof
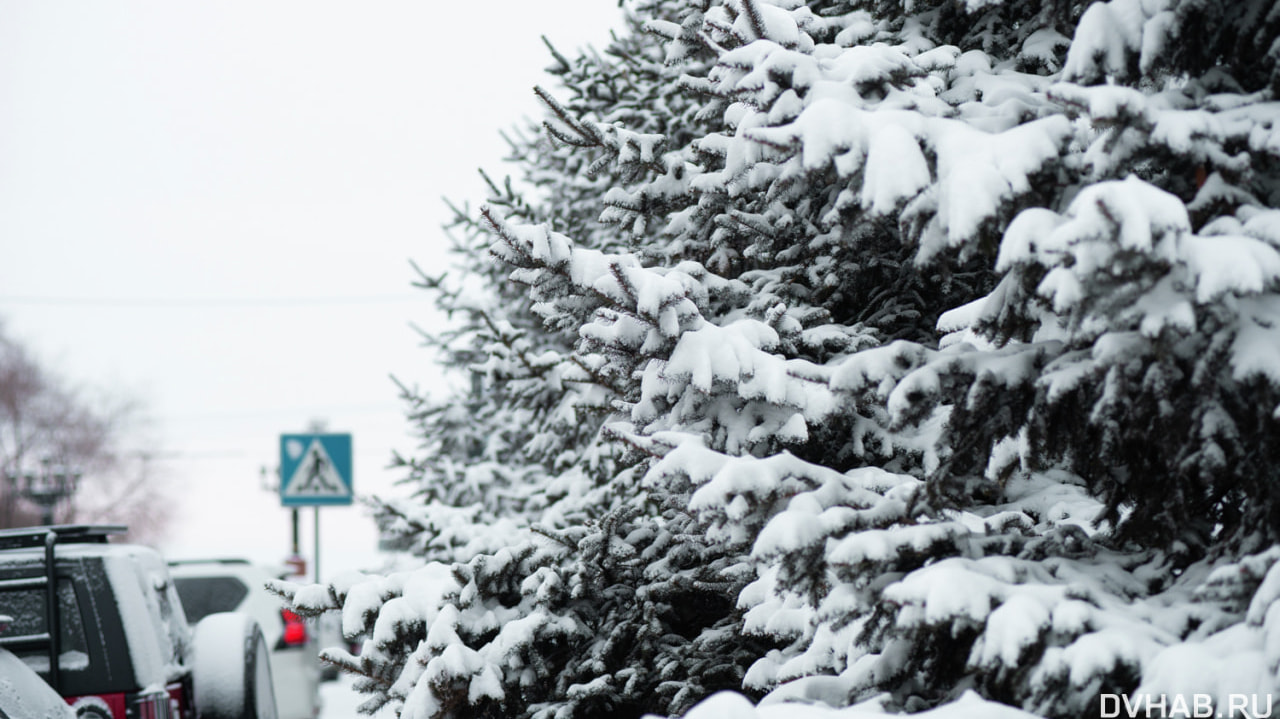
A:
(75, 549)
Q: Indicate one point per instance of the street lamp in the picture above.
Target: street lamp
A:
(52, 484)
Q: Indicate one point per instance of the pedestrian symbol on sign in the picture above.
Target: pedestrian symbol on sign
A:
(320, 474)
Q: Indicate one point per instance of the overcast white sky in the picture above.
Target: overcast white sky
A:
(212, 207)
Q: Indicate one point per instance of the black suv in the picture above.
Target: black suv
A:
(103, 625)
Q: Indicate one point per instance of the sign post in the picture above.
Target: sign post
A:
(315, 471)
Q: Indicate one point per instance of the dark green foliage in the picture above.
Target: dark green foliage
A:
(843, 351)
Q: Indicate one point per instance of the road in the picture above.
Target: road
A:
(340, 701)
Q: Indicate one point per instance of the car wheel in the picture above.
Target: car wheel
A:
(232, 673)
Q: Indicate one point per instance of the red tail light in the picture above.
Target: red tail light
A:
(295, 630)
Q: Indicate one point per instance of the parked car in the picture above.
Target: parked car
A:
(102, 624)
(23, 694)
(235, 585)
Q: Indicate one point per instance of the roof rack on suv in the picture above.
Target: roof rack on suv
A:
(63, 534)
(49, 537)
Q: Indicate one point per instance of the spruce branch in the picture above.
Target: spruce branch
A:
(425, 281)
(595, 377)
(710, 43)
(554, 536)
(590, 135)
(624, 283)
(562, 271)
(727, 30)
(652, 447)
(510, 343)
(754, 18)
(565, 65)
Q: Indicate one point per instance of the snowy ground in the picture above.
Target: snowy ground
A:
(340, 701)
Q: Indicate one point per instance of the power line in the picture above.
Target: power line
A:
(213, 302)
(265, 413)
(169, 455)
(183, 455)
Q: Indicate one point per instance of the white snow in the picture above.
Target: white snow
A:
(1253, 351)
(70, 660)
(155, 630)
(23, 695)
(1236, 264)
(883, 544)
(219, 661)
(896, 170)
(340, 700)
(1018, 623)
(728, 705)
(1106, 33)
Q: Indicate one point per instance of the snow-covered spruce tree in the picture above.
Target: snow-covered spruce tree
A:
(627, 603)
(1125, 343)
(487, 452)
(860, 350)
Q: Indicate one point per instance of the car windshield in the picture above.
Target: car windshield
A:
(202, 596)
(26, 607)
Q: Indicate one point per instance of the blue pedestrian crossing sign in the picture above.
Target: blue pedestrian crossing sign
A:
(315, 469)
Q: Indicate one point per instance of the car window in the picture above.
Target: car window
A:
(27, 609)
(202, 596)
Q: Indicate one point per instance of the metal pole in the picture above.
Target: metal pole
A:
(53, 623)
(295, 551)
(317, 528)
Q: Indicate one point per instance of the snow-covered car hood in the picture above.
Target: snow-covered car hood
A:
(24, 695)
